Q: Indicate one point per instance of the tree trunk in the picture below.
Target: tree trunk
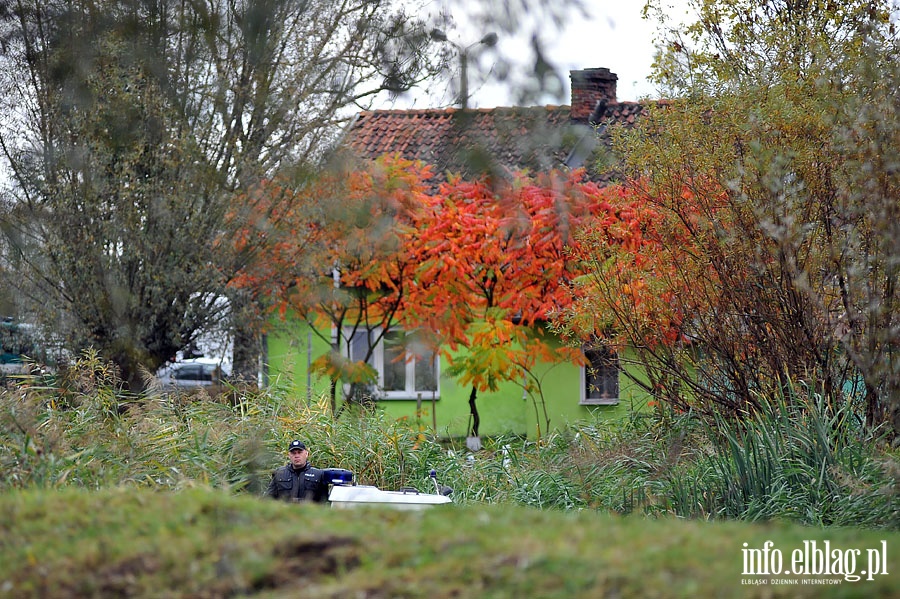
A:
(245, 367)
(333, 394)
(246, 326)
(473, 410)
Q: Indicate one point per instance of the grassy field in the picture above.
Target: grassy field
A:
(104, 494)
(204, 543)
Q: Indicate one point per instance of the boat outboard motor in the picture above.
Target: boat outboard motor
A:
(440, 489)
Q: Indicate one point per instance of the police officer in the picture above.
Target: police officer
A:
(297, 480)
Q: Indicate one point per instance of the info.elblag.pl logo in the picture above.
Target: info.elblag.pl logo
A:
(814, 558)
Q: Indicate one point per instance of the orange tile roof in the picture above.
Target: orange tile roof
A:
(490, 140)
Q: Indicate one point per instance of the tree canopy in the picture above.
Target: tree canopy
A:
(772, 173)
(378, 249)
(132, 126)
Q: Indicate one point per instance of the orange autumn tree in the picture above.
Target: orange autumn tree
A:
(340, 260)
(492, 269)
(682, 275)
(779, 140)
(478, 267)
(643, 280)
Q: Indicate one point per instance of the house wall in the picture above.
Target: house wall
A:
(561, 384)
(500, 413)
(291, 346)
(508, 411)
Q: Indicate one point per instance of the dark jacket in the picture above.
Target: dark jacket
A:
(306, 484)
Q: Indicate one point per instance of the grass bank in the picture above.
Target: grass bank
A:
(206, 543)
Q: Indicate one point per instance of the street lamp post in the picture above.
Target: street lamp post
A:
(489, 40)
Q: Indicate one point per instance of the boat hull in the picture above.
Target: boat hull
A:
(344, 497)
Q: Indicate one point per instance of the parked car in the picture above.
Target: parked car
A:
(196, 372)
(16, 341)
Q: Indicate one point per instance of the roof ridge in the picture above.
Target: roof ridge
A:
(453, 110)
(507, 138)
(407, 110)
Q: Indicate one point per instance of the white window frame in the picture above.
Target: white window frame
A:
(585, 400)
(378, 363)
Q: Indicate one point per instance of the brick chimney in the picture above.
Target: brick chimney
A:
(590, 86)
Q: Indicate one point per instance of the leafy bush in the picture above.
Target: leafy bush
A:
(801, 460)
(792, 460)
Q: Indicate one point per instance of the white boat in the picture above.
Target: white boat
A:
(345, 496)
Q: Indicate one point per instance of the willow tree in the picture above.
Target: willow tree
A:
(130, 128)
(776, 163)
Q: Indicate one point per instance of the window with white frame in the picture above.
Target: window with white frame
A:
(600, 377)
(406, 365)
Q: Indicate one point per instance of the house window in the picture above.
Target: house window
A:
(600, 377)
(406, 366)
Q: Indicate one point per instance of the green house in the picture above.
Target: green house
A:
(420, 391)
(493, 142)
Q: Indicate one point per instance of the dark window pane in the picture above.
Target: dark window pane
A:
(394, 362)
(359, 346)
(187, 373)
(426, 372)
(601, 375)
(194, 372)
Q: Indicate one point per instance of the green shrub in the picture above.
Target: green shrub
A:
(791, 460)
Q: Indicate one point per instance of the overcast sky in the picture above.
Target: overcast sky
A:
(613, 36)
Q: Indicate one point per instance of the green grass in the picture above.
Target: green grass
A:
(108, 495)
(791, 462)
(127, 542)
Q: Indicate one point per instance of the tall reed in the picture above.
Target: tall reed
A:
(794, 459)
